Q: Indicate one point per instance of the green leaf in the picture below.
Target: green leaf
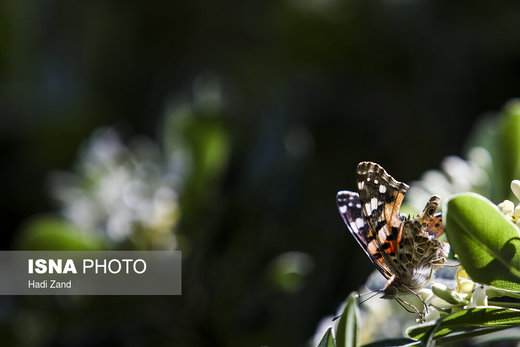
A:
(327, 340)
(487, 244)
(347, 333)
(466, 323)
(394, 342)
(510, 335)
(468, 334)
(52, 233)
(510, 131)
(502, 298)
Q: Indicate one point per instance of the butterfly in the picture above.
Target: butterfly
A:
(406, 251)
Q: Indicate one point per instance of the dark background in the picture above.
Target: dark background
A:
(396, 82)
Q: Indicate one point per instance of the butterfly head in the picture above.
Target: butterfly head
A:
(390, 292)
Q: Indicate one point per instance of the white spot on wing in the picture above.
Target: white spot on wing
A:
(360, 222)
(376, 181)
(372, 247)
(373, 203)
(343, 209)
(382, 189)
(360, 185)
(350, 204)
(358, 205)
(368, 209)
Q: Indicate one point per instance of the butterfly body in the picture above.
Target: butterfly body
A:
(406, 251)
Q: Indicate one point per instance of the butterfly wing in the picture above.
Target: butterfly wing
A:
(435, 226)
(351, 211)
(381, 196)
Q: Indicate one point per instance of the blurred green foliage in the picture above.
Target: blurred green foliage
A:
(510, 149)
(498, 134)
(53, 233)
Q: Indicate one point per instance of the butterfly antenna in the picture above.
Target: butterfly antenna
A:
(373, 292)
(358, 295)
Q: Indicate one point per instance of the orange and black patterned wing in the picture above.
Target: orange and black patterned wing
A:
(349, 207)
(380, 197)
(435, 227)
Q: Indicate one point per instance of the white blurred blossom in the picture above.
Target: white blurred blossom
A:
(456, 176)
(120, 192)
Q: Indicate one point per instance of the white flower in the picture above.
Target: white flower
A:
(479, 298)
(457, 175)
(507, 207)
(118, 190)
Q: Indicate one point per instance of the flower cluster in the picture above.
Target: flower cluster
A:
(509, 209)
(122, 193)
(444, 300)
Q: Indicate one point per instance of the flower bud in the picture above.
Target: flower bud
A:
(448, 295)
(479, 297)
(515, 187)
(433, 314)
(507, 207)
(466, 286)
(516, 214)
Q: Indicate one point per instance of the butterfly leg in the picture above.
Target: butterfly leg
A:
(415, 310)
(447, 265)
(417, 295)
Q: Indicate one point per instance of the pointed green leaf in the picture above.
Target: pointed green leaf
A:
(487, 244)
(347, 333)
(469, 334)
(327, 340)
(404, 342)
(466, 323)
